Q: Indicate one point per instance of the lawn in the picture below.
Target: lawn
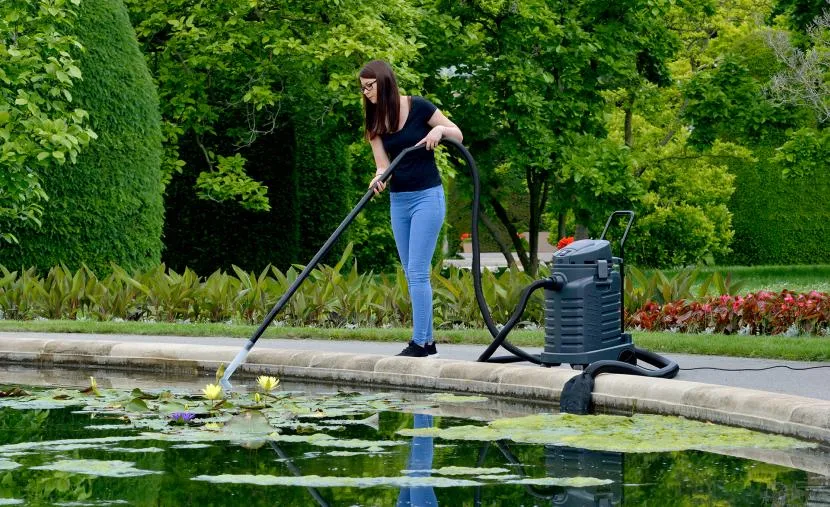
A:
(802, 348)
(774, 278)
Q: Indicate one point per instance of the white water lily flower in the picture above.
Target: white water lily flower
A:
(267, 384)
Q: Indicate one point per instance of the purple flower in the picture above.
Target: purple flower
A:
(182, 417)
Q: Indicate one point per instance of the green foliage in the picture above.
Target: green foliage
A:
(777, 221)
(332, 296)
(686, 284)
(724, 104)
(271, 85)
(229, 181)
(324, 191)
(107, 207)
(234, 235)
(806, 154)
(41, 125)
(524, 81)
(800, 13)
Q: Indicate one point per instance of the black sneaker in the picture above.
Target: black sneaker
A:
(413, 350)
(432, 350)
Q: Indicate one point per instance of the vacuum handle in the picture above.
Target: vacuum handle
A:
(630, 215)
(621, 258)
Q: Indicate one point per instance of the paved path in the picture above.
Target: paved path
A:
(490, 260)
(813, 383)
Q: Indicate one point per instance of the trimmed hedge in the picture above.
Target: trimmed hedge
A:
(107, 207)
(323, 169)
(779, 221)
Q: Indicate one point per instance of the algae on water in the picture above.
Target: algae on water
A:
(637, 433)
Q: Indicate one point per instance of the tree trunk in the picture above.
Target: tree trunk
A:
(581, 232)
(501, 214)
(504, 246)
(628, 108)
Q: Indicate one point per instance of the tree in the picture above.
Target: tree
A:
(526, 80)
(107, 207)
(775, 221)
(40, 123)
(252, 82)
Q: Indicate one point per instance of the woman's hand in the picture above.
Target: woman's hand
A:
(433, 138)
(378, 185)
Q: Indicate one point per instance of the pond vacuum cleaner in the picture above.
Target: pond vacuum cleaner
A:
(584, 298)
(584, 326)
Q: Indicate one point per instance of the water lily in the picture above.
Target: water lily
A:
(182, 417)
(93, 388)
(267, 384)
(213, 391)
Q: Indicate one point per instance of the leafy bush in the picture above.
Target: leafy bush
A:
(656, 287)
(761, 313)
(337, 296)
(108, 206)
(41, 126)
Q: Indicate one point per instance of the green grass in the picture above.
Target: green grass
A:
(775, 278)
(806, 348)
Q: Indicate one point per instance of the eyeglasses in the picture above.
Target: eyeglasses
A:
(368, 86)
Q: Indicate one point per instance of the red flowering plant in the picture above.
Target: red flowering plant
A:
(465, 236)
(562, 243)
(764, 313)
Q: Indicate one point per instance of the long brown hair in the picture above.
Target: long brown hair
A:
(381, 117)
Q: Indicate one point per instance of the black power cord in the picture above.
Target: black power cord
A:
(794, 368)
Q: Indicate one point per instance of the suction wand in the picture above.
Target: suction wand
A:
(243, 354)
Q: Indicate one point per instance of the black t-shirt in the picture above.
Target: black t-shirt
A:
(417, 170)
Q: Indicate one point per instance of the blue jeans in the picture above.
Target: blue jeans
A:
(419, 464)
(416, 221)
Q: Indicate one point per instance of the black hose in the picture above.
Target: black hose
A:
(520, 355)
(240, 357)
(666, 368)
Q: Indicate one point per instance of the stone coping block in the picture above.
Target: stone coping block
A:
(779, 413)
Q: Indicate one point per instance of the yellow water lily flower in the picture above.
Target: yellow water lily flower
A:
(213, 391)
(267, 384)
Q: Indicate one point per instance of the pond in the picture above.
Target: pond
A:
(295, 444)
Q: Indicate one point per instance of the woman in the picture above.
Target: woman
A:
(393, 123)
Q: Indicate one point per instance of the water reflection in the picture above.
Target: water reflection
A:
(419, 464)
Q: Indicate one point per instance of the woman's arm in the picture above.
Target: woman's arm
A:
(441, 127)
(381, 163)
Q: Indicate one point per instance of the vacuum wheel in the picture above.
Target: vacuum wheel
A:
(578, 366)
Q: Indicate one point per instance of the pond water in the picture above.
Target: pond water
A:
(72, 443)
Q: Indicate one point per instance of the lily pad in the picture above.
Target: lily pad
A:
(637, 433)
(137, 450)
(454, 398)
(190, 446)
(71, 444)
(323, 440)
(7, 464)
(461, 471)
(316, 481)
(571, 482)
(112, 468)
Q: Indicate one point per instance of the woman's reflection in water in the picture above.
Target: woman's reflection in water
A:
(419, 465)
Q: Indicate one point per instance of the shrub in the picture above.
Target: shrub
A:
(108, 206)
(755, 314)
(778, 221)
